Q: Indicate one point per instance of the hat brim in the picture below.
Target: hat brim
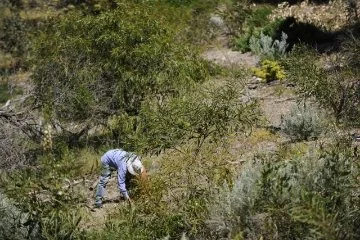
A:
(131, 169)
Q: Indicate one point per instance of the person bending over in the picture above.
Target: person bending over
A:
(125, 163)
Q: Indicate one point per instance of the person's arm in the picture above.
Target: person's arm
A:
(121, 182)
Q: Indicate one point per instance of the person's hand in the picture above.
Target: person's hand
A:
(122, 198)
(131, 204)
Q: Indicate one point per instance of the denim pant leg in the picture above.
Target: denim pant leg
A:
(104, 178)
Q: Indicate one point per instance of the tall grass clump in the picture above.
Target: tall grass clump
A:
(313, 196)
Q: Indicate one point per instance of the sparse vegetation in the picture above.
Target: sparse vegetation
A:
(86, 76)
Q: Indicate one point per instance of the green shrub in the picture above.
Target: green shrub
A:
(14, 36)
(268, 48)
(254, 23)
(242, 42)
(7, 92)
(307, 197)
(4, 96)
(174, 198)
(303, 123)
(96, 66)
(13, 31)
(334, 84)
(270, 71)
(51, 205)
(264, 35)
(235, 16)
(201, 114)
(259, 17)
(273, 28)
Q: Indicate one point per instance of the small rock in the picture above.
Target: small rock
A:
(255, 80)
(275, 82)
(217, 21)
(356, 137)
(290, 84)
(253, 86)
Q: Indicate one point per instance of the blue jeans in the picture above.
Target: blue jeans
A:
(104, 179)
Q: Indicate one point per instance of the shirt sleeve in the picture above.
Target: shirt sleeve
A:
(121, 180)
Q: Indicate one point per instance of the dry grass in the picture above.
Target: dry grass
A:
(330, 16)
(89, 161)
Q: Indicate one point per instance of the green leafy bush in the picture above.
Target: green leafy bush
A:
(303, 123)
(268, 48)
(254, 20)
(270, 71)
(259, 17)
(235, 16)
(254, 23)
(11, 219)
(49, 203)
(174, 198)
(91, 67)
(254, 36)
(307, 197)
(242, 42)
(335, 85)
(206, 112)
(6, 92)
(13, 30)
(14, 38)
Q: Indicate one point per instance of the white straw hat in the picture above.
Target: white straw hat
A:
(134, 165)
